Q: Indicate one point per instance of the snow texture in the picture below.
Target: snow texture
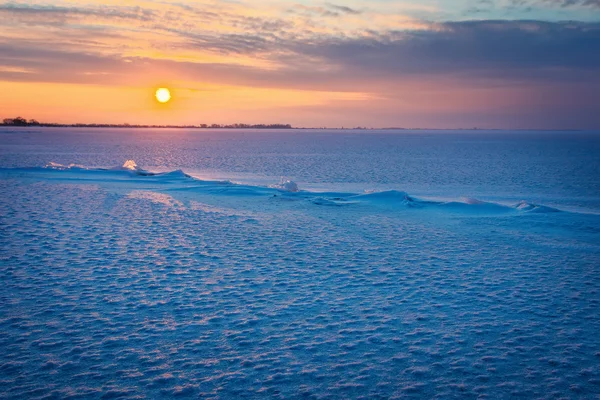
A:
(126, 283)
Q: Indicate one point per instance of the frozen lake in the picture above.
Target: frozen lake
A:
(408, 264)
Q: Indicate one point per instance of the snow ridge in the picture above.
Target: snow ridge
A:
(381, 199)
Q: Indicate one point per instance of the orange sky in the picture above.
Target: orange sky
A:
(307, 63)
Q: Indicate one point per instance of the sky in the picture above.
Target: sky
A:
(509, 64)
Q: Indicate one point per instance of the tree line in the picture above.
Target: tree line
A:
(20, 121)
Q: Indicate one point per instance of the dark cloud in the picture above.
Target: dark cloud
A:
(492, 49)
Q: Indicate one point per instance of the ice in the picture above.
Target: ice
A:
(390, 196)
(287, 186)
(525, 206)
(130, 165)
(178, 180)
(60, 167)
(133, 283)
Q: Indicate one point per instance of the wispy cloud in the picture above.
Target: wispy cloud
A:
(51, 14)
(560, 3)
(343, 9)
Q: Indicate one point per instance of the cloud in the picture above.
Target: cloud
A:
(343, 9)
(328, 10)
(52, 14)
(501, 51)
(556, 3)
(569, 3)
(492, 46)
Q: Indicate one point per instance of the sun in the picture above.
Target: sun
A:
(163, 95)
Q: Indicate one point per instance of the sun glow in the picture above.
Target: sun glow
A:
(163, 95)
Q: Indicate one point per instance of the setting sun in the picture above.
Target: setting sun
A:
(163, 95)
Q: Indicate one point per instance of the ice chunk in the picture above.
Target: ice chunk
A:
(534, 208)
(287, 185)
(61, 167)
(130, 165)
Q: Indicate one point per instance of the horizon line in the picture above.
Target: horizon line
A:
(23, 123)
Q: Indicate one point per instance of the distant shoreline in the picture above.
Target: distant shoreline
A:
(20, 122)
(227, 127)
(142, 126)
(23, 123)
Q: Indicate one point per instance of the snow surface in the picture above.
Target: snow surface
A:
(125, 283)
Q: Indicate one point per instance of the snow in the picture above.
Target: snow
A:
(129, 283)
(129, 165)
(287, 186)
